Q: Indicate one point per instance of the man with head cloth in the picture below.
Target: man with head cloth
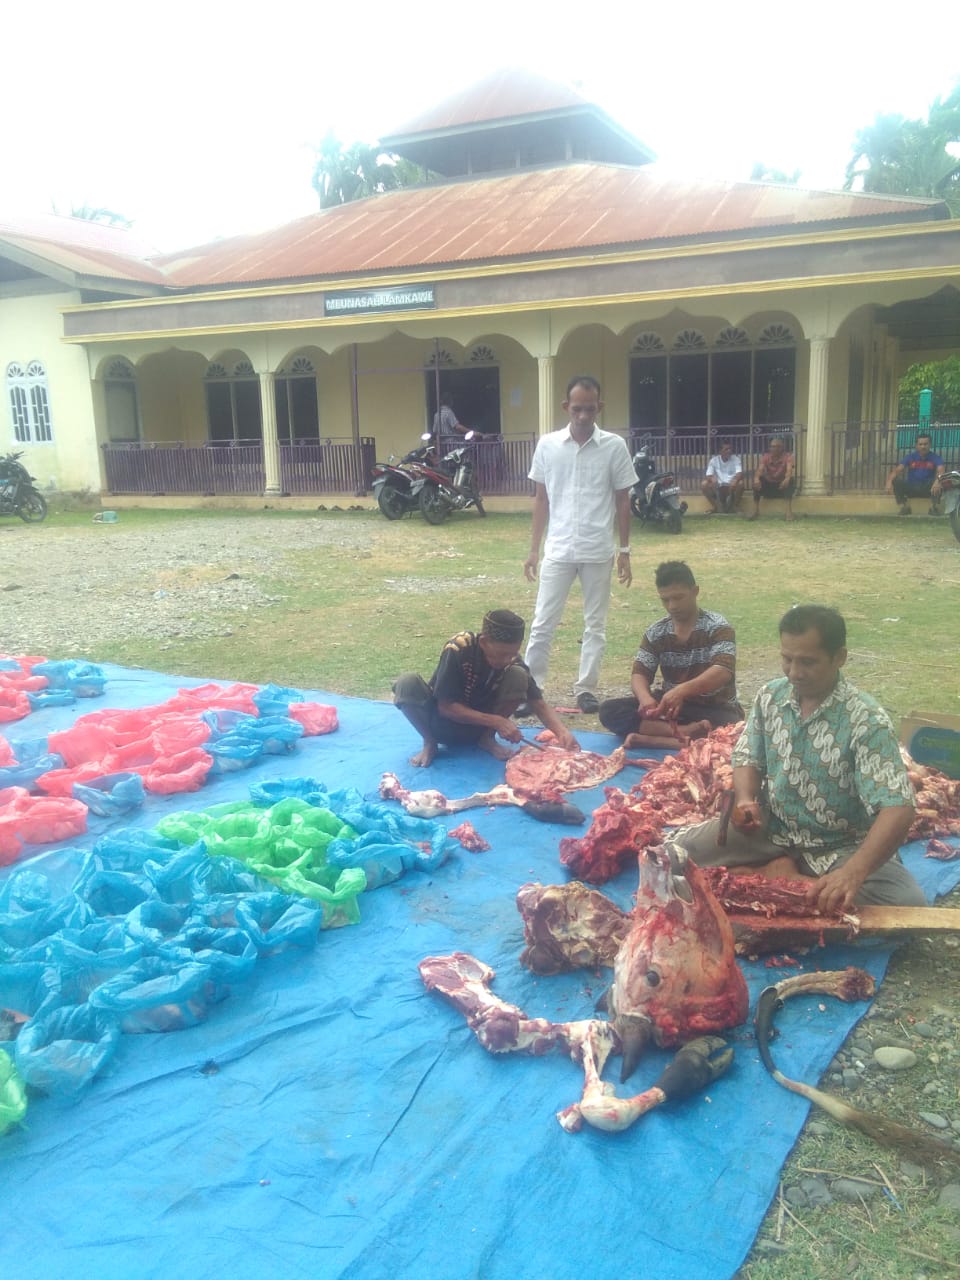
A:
(478, 684)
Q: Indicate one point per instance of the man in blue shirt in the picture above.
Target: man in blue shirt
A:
(820, 788)
(917, 475)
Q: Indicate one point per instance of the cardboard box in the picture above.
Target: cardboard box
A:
(933, 739)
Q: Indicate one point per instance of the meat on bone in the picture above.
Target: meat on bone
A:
(434, 804)
(503, 1028)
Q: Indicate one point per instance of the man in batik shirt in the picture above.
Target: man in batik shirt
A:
(820, 788)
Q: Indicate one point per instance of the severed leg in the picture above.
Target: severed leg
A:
(697, 1064)
(503, 1028)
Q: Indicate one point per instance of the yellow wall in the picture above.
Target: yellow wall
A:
(31, 329)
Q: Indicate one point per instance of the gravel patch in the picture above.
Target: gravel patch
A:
(154, 586)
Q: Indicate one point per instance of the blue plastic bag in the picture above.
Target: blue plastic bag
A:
(270, 792)
(158, 993)
(112, 795)
(61, 1049)
(26, 774)
(50, 698)
(83, 679)
(275, 699)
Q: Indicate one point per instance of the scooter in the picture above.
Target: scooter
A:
(397, 485)
(655, 498)
(950, 488)
(451, 484)
(18, 497)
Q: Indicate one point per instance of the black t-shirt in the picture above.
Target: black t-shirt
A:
(464, 675)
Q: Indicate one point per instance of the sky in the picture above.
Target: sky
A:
(199, 120)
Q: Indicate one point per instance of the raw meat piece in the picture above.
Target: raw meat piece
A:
(940, 849)
(676, 976)
(689, 787)
(469, 837)
(568, 926)
(546, 774)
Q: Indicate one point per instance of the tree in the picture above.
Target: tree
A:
(942, 377)
(899, 156)
(90, 213)
(763, 173)
(344, 173)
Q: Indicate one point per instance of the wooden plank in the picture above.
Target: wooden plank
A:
(761, 935)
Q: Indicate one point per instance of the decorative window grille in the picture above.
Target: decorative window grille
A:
(732, 337)
(690, 340)
(119, 371)
(645, 342)
(442, 357)
(483, 355)
(776, 335)
(29, 403)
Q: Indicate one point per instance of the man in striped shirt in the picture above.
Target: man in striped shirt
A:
(695, 652)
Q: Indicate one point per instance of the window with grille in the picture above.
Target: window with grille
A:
(29, 402)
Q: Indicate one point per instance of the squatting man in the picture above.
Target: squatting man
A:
(477, 686)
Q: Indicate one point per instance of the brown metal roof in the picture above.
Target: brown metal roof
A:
(82, 247)
(503, 95)
(575, 207)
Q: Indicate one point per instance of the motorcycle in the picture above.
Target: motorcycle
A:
(397, 485)
(950, 489)
(655, 498)
(18, 497)
(451, 484)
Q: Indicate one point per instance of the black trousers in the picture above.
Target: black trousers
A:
(622, 715)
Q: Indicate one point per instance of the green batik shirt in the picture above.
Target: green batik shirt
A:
(826, 775)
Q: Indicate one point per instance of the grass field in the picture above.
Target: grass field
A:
(381, 598)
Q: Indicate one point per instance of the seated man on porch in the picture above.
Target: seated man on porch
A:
(479, 683)
(695, 651)
(774, 478)
(917, 475)
(723, 484)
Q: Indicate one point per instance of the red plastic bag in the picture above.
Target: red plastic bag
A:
(6, 752)
(315, 717)
(238, 697)
(14, 705)
(184, 772)
(82, 743)
(37, 820)
(59, 782)
(176, 733)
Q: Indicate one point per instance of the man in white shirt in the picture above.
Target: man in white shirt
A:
(723, 483)
(583, 477)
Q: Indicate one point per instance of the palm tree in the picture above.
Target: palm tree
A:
(899, 156)
(90, 213)
(344, 173)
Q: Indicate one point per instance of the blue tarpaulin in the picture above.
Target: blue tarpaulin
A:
(331, 1118)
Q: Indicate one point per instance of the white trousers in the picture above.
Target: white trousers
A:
(556, 579)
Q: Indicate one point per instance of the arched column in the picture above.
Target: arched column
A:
(815, 468)
(271, 445)
(545, 395)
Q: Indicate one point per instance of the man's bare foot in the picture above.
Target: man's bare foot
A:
(696, 729)
(497, 749)
(425, 756)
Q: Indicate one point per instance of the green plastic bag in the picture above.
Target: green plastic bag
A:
(13, 1094)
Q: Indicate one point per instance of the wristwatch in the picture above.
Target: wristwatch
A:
(623, 551)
